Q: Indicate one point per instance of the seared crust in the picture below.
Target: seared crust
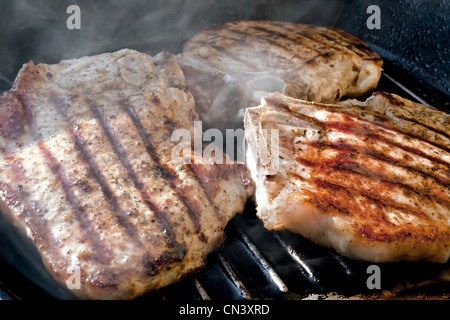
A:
(365, 178)
(228, 66)
(86, 172)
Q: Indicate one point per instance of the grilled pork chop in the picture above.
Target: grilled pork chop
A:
(369, 179)
(86, 172)
(230, 66)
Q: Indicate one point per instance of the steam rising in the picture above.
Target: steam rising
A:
(36, 29)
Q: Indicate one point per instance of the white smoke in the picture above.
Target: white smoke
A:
(36, 29)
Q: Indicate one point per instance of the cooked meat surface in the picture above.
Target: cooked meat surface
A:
(369, 179)
(230, 66)
(86, 172)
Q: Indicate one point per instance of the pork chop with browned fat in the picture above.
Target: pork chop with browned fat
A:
(369, 179)
(230, 66)
(86, 172)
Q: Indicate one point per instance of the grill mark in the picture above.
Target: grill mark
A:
(371, 197)
(265, 38)
(299, 38)
(324, 202)
(415, 151)
(235, 56)
(346, 44)
(194, 173)
(372, 225)
(356, 169)
(379, 202)
(350, 127)
(349, 39)
(384, 123)
(31, 213)
(160, 215)
(295, 41)
(151, 263)
(275, 104)
(121, 215)
(219, 173)
(361, 130)
(362, 173)
(445, 134)
(341, 146)
(103, 254)
(166, 173)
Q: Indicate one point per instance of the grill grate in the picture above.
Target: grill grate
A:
(256, 263)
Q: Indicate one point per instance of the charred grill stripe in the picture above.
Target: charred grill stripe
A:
(194, 173)
(383, 124)
(269, 38)
(235, 56)
(349, 39)
(297, 40)
(344, 44)
(357, 170)
(375, 199)
(273, 34)
(166, 173)
(344, 147)
(360, 176)
(160, 215)
(327, 200)
(103, 254)
(121, 215)
(328, 187)
(353, 119)
(350, 127)
(412, 150)
(369, 133)
(31, 213)
(440, 132)
(281, 107)
(360, 173)
(300, 37)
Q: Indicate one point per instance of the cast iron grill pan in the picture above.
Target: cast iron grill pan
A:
(255, 263)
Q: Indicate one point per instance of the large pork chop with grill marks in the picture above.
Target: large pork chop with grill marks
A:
(230, 66)
(86, 172)
(369, 179)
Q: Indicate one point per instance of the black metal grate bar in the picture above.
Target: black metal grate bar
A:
(265, 265)
(299, 260)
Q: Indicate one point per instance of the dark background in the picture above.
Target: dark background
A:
(414, 35)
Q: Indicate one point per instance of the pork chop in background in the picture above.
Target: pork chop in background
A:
(369, 179)
(86, 173)
(230, 66)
